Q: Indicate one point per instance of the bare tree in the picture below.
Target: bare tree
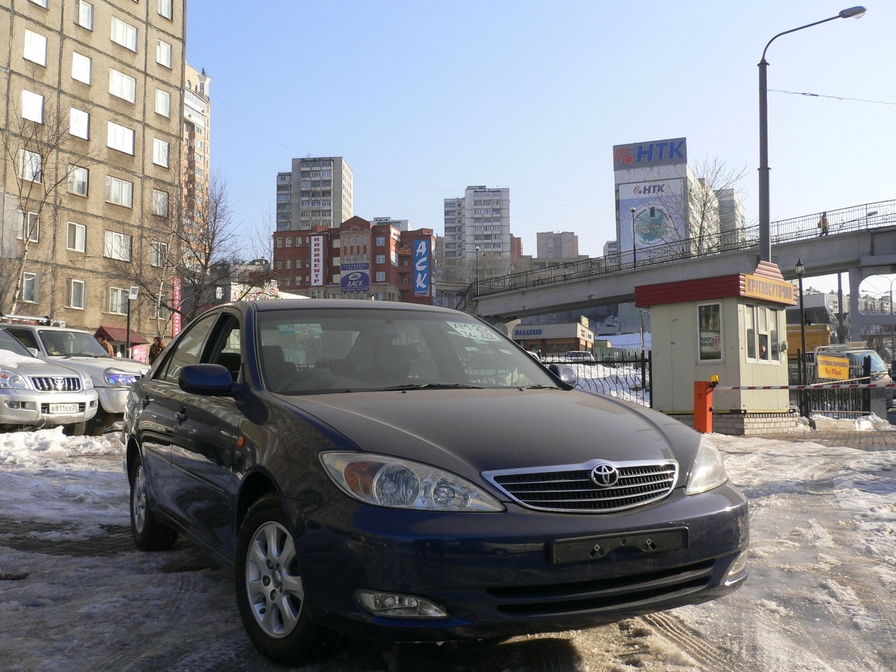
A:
(37, 145)
(194, 243)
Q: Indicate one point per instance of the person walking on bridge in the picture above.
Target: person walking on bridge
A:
(823, 224)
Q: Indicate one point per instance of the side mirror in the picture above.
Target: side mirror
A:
(565, 373)
(211, 380)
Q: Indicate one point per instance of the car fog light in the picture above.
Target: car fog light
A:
(738, 567)
(14, 405)
(396, 605)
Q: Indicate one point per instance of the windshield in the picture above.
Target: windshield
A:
(60, 343)
(332, 350)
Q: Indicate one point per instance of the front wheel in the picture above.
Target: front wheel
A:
(269, 589)
(149, 534)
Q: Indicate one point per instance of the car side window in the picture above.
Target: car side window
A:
(186, 350)
(224, 347)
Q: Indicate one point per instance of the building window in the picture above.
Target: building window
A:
(82, 68)
(381, 258)
(124, 34)
(42, 3)
(120, 138)
(31, 230)
(30, 166)
(709, 318)
(35, 48)
(118, 246)
(166, 8)
(32, 106)
(77, 237)
(119, 192)
(163, 103)
(380, 241)
(79, 123)
(30, 287)
(381, 276)
(160, 203)
(761, 325)
(78, 180)
(122, 85)
(118, 300)
(85, 15)
(160, 152)
(163, 53)
(159, 253)
(280, 242)
(76, 294)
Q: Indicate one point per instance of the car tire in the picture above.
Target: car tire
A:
(149, 534)
(270, 592)
(75, 429)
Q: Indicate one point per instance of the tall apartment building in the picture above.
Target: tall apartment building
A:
(91, 129)
(478, 223)
(197, 147)
(557, 245)
(317, 192)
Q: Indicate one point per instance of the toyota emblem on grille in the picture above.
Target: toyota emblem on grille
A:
(604, 475)
(58, 384)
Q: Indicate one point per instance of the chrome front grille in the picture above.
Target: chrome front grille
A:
(56, 383)
(596, 487)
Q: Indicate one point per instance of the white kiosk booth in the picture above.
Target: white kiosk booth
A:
(732, 326)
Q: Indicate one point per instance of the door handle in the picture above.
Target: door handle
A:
(145, 401)
(181, 415)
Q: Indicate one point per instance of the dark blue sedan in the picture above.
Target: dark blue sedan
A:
(408, 473)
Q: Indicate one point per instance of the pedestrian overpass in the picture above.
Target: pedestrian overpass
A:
(861, 242)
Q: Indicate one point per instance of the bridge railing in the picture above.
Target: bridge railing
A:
(844, 220)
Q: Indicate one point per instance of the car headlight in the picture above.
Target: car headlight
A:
(120, 378)
(402, 484)
(10, 380)
(707, 470)
(87, 381)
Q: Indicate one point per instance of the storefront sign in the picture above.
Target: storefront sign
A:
(778, 291)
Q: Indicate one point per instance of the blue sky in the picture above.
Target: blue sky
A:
(426, 97)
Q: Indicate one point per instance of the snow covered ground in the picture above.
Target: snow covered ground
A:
(819, 598)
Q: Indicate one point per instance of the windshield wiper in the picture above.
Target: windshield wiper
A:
(539, 387)
(429, 386)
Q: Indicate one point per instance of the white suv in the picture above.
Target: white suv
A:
(111, 376)
(35, 393)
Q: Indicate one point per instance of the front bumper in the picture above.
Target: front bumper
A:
(494, 575)
(46, 409)
(113, 399)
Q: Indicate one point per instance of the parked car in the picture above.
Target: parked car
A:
(112, 377)
(578, 356)
(418, 478)
(37, 394)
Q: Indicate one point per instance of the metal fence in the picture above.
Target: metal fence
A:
(627, 377)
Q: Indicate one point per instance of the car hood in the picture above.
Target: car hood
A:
(96, 366)
(502, 429)
(32, 366)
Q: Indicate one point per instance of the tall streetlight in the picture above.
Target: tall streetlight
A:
(800, 271)
(765, 243)
(477, 270)
(634, 249)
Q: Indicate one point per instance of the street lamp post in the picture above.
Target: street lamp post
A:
(765, 245)
(634, 249)
(132, 295)
(477, 270)
(800, 271)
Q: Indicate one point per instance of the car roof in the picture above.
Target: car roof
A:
(310, 304)
(42, 327)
